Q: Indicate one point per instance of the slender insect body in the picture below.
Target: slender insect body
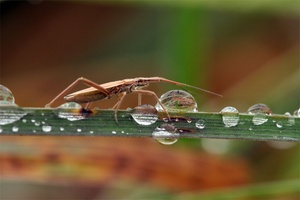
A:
(116, 88)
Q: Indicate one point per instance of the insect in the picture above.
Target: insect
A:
(116, 88)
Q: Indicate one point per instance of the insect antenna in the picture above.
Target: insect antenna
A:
(190, 86)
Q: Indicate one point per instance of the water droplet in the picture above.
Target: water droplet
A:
(70, 111)
(11, 114)
(37, 123)
(15, 129)
(291, 119)
(189, 121)
(297, 113)
(1, 130)
(91, 132)
(177, 101)
(230, 116)
(79, 130)
(144, 114)
(200, 124)
(279, 124)
(46, 128)
(259, 112)
(61, 128)
(24, 121)
(114, 132)
(6, 97)
(260, 108)
(165, 134)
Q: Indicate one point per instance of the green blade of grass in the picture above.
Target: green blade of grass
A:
(41, 121)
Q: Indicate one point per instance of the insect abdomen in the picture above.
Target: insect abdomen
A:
(85, 97)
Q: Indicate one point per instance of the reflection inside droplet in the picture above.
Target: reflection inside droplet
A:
(144, 114)
(165, 134)
(6, 97)
(177, 101)
(230, 116)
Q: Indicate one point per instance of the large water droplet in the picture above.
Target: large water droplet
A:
(11, 114)
(200, 124)
(70, 111)
(144, 114)
(177, 101)
(46, 128)
(259, 112)
(6, 97)
(165, 134)
(259, 108)
(230, 116)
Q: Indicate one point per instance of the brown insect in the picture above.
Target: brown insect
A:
(116, 88)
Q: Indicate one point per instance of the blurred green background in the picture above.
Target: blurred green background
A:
(248, 51)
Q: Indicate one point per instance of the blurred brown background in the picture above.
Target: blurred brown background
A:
(248, 52)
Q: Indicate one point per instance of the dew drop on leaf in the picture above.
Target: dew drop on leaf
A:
(200, 124)
(6, 97)
(144, 114)
(46, 128)
(165, 134)
(259, 112)
(230, 116)
(177, 101)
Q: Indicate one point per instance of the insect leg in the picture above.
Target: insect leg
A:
(117, 106)
(156, 98)
(85, 81)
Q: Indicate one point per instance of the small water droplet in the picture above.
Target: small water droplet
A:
(37, 123)
(33, 120)
(114, 132)
(279, 124)
(291, 119)
(297, 113)
(91, 132)
(200, 124)
(1, 130)
(230, 116)
(6, 97)
(15, 129)
(24, 121)
(144, 114)
(122, 132)
(165, 134)
(189, 121)
(70, 111)
(46, 128)
(177, 101)
(61, 128)
(79, 130)
(259, 112)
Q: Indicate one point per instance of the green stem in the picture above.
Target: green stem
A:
(41, 121)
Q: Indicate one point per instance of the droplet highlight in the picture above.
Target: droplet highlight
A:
(230, 116)
(165, 134)
(177, 101)
(144, 114)
(200, 124)
(46, 128)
